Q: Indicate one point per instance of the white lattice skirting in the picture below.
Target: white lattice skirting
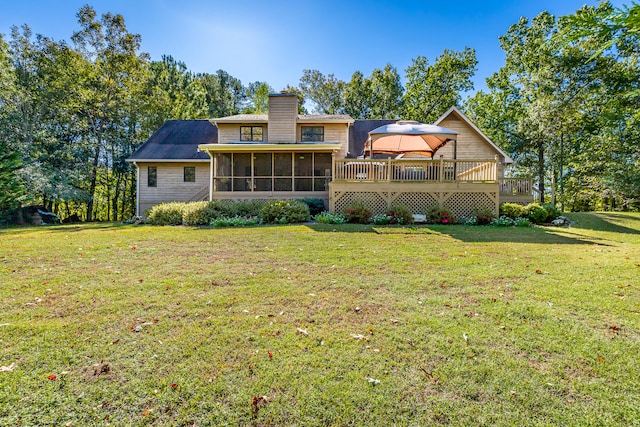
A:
(460, 198)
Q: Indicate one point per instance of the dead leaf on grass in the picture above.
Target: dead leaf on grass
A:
(258, 402)
(101, 368)
(7, 368)
(433, 379)
(302, 331)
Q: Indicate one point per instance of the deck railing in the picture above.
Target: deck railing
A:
(516, 186)
(414, 170)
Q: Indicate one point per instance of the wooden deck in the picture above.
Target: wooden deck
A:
(461, 186)
(517, 190)
(415, 170)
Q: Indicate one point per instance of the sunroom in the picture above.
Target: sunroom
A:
(263, 171)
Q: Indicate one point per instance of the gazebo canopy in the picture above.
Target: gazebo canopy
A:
(408, 137)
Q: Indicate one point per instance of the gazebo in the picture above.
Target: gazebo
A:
(408, 136)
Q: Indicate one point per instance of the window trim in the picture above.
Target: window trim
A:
(184, 174)
(252, 136)
(313, 133)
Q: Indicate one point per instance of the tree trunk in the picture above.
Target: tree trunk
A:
(541, 171)
(133, 192)
(92, 187)
(116, 196)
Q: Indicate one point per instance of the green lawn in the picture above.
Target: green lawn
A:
(321, 325)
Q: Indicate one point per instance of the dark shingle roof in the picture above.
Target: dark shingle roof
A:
(359, 132)
(178, 140)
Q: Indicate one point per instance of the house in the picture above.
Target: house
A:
(283, 155)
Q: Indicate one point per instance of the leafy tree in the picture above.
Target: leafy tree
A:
(378, 96)
(299, 95)
(386, 93)
(11, 188)
(325, 92)
(258, 98)
(224, 93)
(172, 92)
(432, 89)
(608, 166)
(566, 109)
(358, 97)
(116, 71)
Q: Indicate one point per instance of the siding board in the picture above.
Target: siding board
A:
(171, 186)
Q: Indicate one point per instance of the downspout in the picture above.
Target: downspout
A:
(137, 188)
(211, 169)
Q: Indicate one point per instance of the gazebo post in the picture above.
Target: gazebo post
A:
(455, 159)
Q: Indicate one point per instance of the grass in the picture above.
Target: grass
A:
(104, 324)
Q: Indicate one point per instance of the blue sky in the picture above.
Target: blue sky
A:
(273, 40)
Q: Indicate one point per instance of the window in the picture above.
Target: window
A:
(189, 174)
(251, 133)
(152, 176)
(312, 134)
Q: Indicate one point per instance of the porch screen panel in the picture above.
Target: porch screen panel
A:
(222, 179)
(283, 171)
(262, 171)
(303, 171)
(321, 171)
(242, 172)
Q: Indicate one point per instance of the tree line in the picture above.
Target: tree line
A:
(565, 105)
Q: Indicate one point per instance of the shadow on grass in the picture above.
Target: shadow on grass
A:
(66, 228)
(606, 221)
(465, 233)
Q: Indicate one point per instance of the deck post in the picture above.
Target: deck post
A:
(389, 169)
(212, 170)
(333, 165)
(441, 167)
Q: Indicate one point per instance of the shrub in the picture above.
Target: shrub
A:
(468, 220)
(536, 213)
(358, 213)
(440, 216)
(222, 208)
(382, 219)
(247, 208)
(483, 216)
(503, 221)
(400, 215)
(512, 210)
(236, 221)
(329, 218)
(166, 214)
(197, 213)
(522, 222)
(552, 211)
(284, 212)
(316, 205)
